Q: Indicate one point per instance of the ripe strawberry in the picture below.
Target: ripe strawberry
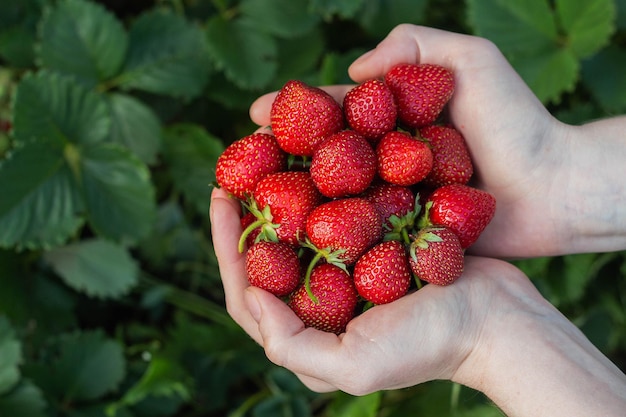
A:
(370, 109)
(273, 266)
(463, 209)
(436, 255)
(451, 159)
(351, 225)
(336, 297)
(302, 116)
(421, 92)
(402, 159)
(284, 201)
(343, 164)
(383, 274)
(390, 200)
(244, 162)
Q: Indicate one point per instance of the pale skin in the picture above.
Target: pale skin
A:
(491, 330)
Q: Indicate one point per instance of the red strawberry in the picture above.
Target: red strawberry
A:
(421, 92)
(282, 202)
(273, 266)
(343, 164)
(383, 274)
(463, 209)
(390, 200)
(302, 116)
(436, 255)
(402, 159)
(351, 225)
(244, 162)
(451, 159)
(370, 109)
(336, 297)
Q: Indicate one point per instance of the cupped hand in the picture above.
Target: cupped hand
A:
(516, 145)
(423, 336)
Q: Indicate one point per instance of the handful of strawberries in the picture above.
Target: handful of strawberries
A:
(352, 204)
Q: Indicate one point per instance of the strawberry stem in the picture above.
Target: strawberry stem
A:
(307, 276)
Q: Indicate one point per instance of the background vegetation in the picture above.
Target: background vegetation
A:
(112, 115)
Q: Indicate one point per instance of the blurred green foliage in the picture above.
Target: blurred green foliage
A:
(112, 115)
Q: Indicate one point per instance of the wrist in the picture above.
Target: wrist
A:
(531, 361)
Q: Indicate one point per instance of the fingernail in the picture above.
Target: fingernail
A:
(253, 305)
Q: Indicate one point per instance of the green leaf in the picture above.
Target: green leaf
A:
(299, 57)
(342, 8)
(18, 31)
(345, 405)
(621, 14)
(39, 206)
(84, 366)
(517, 27)
(49, 106)
(135, 126)
(26, 400)
(10, 356)
(379, 17)
(191, 154)
(549, 74)
(167, 55)
(83, 39)
(163, 378)
(284, 18)
(605, 78)
(98, 268)
(119, 195)
(588, 24)
(246, 54)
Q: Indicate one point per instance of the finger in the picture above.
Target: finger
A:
(226, 229)
(260, 108)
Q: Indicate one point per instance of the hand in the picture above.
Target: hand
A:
(522, 155)
(491, 330)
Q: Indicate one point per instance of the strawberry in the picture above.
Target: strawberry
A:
(343, 164)
(333, 289)
(383, 274)
(273, 266)
(302, 116)
(463, 209)
(436, 255)
(390, 200)
(402, 159)
(451, 159)
(421, 92)
(281, 203)
(351, 225)
(370, 109)
(246, 161)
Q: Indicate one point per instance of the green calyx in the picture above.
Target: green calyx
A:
(263, 220)
(400, 228)
(330, 256)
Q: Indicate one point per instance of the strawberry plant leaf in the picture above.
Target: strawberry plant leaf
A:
(379, 17)
(83, 39)
(342, 8)
(167, 55)
(10, 356)
(135, 126)
(118, 193)
(39, 206)
(604, 76)
(284, 18)
(26, 400)
(298, 57)
(345, 405)
(50, 106)
(85, 366)
(588, 24)
(18, 31)
(528, 35)
(245, 54)
(96, 267)
(191, 154)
